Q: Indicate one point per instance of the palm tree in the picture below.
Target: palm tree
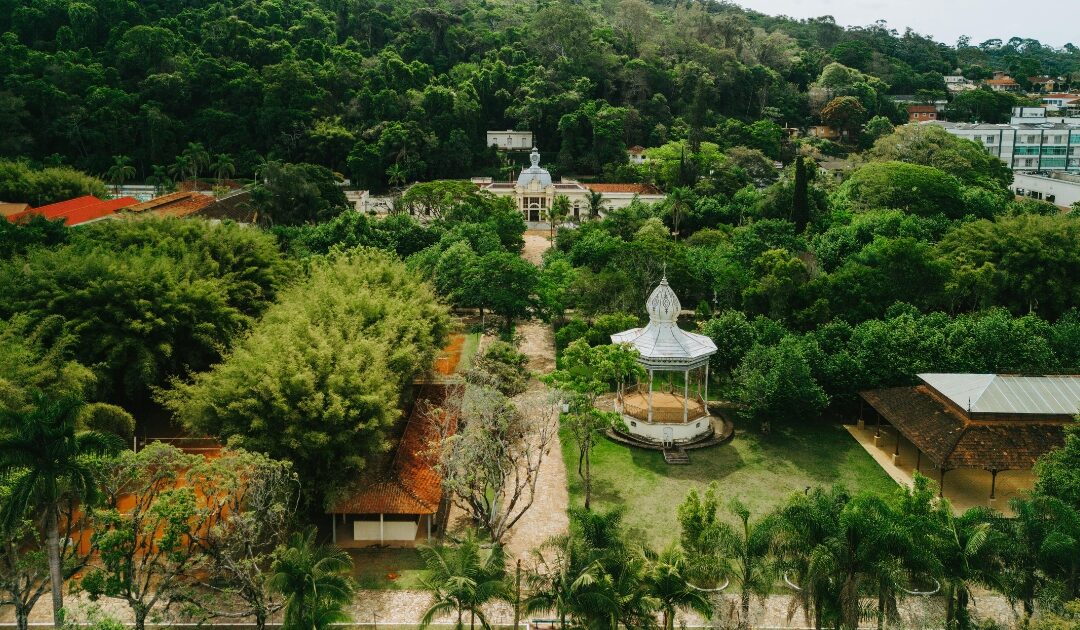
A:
(680, 201)
(49, 458)
(557, 213)
(395, 175)
(223, 167)
(181, 168)
(805, 523)
(200, 158)
(120, 171)
(159, 179)
(564, 580)
(461, 580)
(970, 553)
(748, 549)
(666, 581)
(1043, 544)
(595, 203)
(314, 580)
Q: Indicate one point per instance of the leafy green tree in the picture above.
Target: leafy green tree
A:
(775, 383)
(679, 202)
(594, 203)
(586, 373)
(800, 198)
(557, 214)
(844, 113)
(463, 578)
(914, 188)
(1058, 471)
(733, 335)
(748, 546)
(144, 535)
(293, 194)
(509, 286)
(1025, 263)
(20, 183)
(318, 380)
(314, 580)
(16, 239)
(930, 145)
(47, 454)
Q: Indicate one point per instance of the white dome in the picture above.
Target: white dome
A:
(534, 173)
(662, 343)
(663, 304)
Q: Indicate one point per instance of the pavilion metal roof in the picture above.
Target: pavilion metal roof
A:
(1009, 394)
(662, 342)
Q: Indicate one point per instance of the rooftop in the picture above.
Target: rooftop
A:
(410, 482)
(951, 441)
(637, 189)
(662, 342)
(79, 210)
(534, 172)
(1009, 394)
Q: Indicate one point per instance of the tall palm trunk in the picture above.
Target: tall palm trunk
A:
(56, 576)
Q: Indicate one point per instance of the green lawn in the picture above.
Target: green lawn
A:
(762, 471)
(371, 568)
(468, 351)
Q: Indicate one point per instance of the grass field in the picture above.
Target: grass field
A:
(468, 351)
(762, 471)
(372, 567)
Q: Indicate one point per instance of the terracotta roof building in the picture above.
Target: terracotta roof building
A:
(8, 209)
(992, 422)
(79, 210)
(922, 113)
(177, 204)
(399, 500)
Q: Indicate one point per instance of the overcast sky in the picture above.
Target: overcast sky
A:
(944, 20)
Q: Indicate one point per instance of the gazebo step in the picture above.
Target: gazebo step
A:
(676, 456)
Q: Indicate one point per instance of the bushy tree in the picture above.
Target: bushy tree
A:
(318, 380)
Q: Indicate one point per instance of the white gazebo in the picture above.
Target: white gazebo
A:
(662, 411)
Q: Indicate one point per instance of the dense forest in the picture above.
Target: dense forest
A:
(389, 92)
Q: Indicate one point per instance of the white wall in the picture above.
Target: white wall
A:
(393, 531)
(1065, 193)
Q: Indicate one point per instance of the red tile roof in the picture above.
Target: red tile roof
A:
(78, 210)
(1001, 82)
(950, 440)
(411, 484)
(639, 189)
(637, 149)
(922, 109)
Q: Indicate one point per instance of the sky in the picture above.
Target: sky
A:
(944, 20)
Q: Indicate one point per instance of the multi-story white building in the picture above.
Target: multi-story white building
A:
(510, 139)
(1031, 142)
(534, 192)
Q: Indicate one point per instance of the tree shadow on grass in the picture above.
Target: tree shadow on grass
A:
(713, 463)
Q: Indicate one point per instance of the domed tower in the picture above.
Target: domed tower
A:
(671, 406)
(534, 189)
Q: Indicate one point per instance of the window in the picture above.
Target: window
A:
(1028, 162)
(989, 139)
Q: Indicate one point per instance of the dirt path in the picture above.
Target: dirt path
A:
(536, 243)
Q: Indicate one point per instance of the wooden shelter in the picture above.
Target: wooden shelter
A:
(399, 501)
(990, 422)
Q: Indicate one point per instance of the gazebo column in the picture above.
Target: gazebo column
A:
(650, 394)
(706, 388)
(686, 395)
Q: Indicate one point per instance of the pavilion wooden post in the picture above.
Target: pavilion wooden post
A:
(381, 536)
(686, 396)
(896, 451)
(918, 459)
(706, 388)
(429, 527)
(993, 483)
(941, 483)
(650, 394)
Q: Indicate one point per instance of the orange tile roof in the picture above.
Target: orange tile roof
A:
(640, 189)
(411, 484)
(1001, 82)
(177, 204)
(922, 109)
(78, 210)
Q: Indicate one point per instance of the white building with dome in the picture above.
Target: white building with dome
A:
(534, 192)
(670, 408)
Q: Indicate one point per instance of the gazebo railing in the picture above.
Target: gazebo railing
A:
(694, 411)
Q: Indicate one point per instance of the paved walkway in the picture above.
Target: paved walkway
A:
(964, 488)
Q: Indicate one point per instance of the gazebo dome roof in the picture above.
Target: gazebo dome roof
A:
(662, 343)
(534, 172)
